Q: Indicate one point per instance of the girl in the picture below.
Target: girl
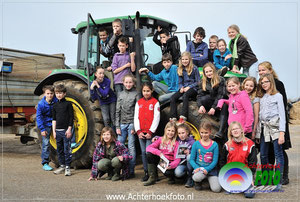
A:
(100, 90)
(239, 148)
(211, 90)
(242, 54)
(204, 159)
(189, 78)
(165, 146)
(264, 68)
(186, 140)
(146, 120)
(198, 48)
(110, 156)
(271, 122)
(222, 57)
(239, 105)
(125, 117)
(250, 85)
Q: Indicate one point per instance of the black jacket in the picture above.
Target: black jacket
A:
(63, 114)
(246, 57)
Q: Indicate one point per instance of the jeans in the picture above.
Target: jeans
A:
(64, 151)
(182, 169)
(118, 88)
(163, 91)
(126, 130)
(252, 70)
(144, 143)
(45, 146)
(264, 154)
(109, 114)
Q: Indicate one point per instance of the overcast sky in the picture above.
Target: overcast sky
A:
(271, 27)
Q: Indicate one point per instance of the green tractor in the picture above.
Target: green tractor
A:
(88, 120)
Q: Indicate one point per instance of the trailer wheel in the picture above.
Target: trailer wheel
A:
(87, 124)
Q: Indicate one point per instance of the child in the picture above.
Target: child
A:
(165, 146)
(104, 48)
(239, 105)
(185, 139)
(122, 64)
(110, 156)
(146, 120)
(211, 90)
(222, 57)
(62, 125)
(117, 34)
(198, 48)
(100, 89)
(271, 122)
(264, 68)
(189, 78)
(204, 159)
(167, 44)
(125, 117)
(239, 148)
(169, 75)
(212, 47)
(242, 54)
(250, 85)
(44, 122)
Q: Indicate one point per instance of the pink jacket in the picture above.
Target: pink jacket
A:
(240, 102)
(169, 152)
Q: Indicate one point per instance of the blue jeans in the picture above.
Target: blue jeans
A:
(264, 154)
(144, 143)
(182, 169)
(45, 146)
(64, 151)
(126, 130)
(108, 113)
(163, 91)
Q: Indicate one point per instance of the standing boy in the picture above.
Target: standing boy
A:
(62, 125)
(44, 122)
(213, 39)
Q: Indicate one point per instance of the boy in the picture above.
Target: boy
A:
(44, 122)
(168, 44)
(117, 33)
(62, 125)
(122, 64)
(104, 48)
(168, 74)
(212, 47)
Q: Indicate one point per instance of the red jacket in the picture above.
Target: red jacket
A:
(146, 115)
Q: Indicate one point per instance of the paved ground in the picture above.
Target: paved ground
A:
(22, 178)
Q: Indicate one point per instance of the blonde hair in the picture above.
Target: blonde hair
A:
(190, 66)
(269, 67)
(252, 95)
(164, 139)
(130, 76)
(215, 79)
(273, 89)
(112, 133)
(235, 27)
(229, 135)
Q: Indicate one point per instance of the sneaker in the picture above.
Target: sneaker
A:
(198, 186)
(68, 171)
(189, 183)
(46, 167)
(145, 178)
(223, 71)
(59, 170)
(182, 119)
(171, 180)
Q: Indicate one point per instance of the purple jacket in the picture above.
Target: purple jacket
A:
(104, 94)
(118, 61)
(241, 103)
(189, 141)
(120, 150)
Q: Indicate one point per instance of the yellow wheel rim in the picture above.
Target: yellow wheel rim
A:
(80, 126)
(194, 131)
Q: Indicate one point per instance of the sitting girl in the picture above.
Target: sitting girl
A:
(110, 156)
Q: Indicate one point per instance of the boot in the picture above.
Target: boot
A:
(285, 177)
(146, 177)
(223, 123)
(171, 180)
(109, 175)
(189, 183)
(152, 175)
(116, 175)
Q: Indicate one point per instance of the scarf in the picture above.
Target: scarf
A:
(234, 51)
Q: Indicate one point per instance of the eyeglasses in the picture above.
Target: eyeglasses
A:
(264, 82)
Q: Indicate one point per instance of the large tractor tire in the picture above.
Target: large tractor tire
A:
(88, 123)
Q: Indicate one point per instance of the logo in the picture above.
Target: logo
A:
(235, 177)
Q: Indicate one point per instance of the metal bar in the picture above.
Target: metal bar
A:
(28, 52)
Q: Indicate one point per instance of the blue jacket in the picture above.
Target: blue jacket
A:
(202, 49)
(170, 76)
(219, 59)
(44, 113)
(104, 94)
(191, 81)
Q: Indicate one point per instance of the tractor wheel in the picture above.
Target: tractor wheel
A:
(194, 119)
(87, 124)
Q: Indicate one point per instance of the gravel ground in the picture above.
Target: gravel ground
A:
(22, 178)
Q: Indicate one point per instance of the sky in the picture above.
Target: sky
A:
(271, 27)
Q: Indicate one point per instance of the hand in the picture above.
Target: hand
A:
(148, 136)
(144, 69)
(211, 111)
(120, 158)
(202, 110)
(109, 68)
(181, 90)
(154, 139)
(95, 83)
(253, 135)
(196, 170)
(132, 132)
(204, 171)
(186, 89)
(235, 69)
(141, 136)
(257, 141)
(91, 178)
(159, 28)
(44, 133)
(68, 133)
(169, 168)
(130, 39)
(227, 57)
(54, 134)
(132, 54)
(118, 131)
(281, 138)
